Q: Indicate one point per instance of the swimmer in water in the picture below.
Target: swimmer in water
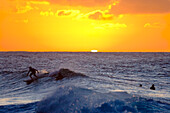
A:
(152, 87)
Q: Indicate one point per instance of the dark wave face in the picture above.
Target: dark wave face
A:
(78, 100)
(91, 82)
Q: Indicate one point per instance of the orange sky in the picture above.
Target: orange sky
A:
(85, 25)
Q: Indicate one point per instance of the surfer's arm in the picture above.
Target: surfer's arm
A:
(28, 72)
(37, 71)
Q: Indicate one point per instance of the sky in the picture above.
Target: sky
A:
(85, 25)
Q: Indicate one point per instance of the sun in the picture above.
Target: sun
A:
(94, 51)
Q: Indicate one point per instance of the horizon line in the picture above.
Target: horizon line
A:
(91, 52)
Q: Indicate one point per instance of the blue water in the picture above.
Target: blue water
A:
(111, 85)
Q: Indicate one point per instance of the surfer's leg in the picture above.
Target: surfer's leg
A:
(35, 75)
(31, 76)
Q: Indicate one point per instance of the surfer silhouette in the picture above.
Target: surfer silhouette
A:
(31, 72)
(152, 87)
(140, 85)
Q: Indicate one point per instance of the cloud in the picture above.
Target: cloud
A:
(21, 6)
(99, 15)
(154, 25)
(24, 9)
(141, 7)
(27, 5)
(86, 3)
(39, 2)
(114, 25)
(63, 13)
(67, 13)
(76, 14)
(114, 6)
(96, 16)
(46, 13)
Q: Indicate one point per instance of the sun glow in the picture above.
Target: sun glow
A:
(94, 51)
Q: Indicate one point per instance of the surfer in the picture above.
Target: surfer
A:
(31, 72)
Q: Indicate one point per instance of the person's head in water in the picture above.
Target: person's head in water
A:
(152, 87)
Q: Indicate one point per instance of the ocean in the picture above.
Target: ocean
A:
(111, 85)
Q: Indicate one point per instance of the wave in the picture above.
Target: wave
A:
(70, 96)
(22, 108)
(66, 73)
(73, 99)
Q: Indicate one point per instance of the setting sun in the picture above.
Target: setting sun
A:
(94, 51)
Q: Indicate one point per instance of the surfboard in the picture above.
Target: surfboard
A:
(30, 80)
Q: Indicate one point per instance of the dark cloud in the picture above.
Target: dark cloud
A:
(96, 16)
(63, 13)
(99, 15)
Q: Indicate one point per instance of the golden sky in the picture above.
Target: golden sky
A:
(85, 25)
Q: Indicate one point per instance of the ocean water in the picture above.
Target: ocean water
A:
(111, 85)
